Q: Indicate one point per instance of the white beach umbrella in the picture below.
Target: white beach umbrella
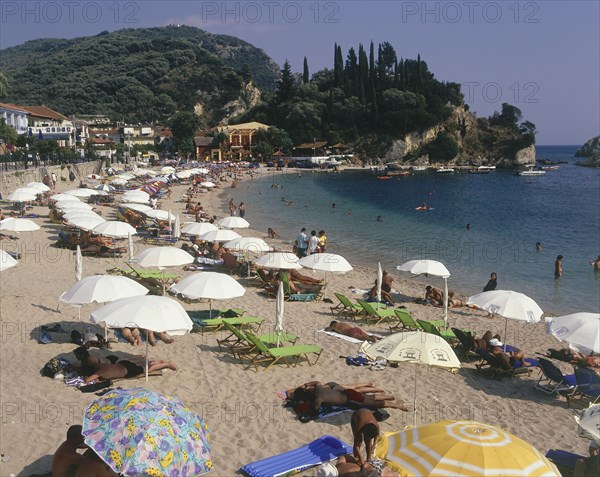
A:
(589, 422)
(64, 198)
(234, 223)
(162, 257)
(85, 222)
(326, 262)
(114, 229)
(78, 264)
(27, 190)
(154, 313)
(137, 199)
(220, 235)
(81, 213)
(208, 184)
(18, 225)
(279, 260)
(39, 186)
(414, 347)
(248, 244)
(68, 205)
(126, 175)
(159, 214)
(198, 228)
(102, 289)
(135, 193)
(18, 196)
(429, 267)
(184, 174)
(6, 261)
(580, 330)
(508, 304)
(279, 309)
(105, 188)
(82, 192)
(167, 170)
(119, 181)
(201, 170)
(137, 207)
(208, 285)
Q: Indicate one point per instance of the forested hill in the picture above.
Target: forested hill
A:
(136, 74)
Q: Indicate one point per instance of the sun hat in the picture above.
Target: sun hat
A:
(495, 342)
(328, 469)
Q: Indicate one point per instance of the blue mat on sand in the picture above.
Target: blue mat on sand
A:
(323, 449)
(563, 458)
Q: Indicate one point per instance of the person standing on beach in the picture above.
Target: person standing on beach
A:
(492, 284)
(313, 243)
(558, 268)
(301, 243)
(54, 179)
(242, 209)
(323, 241)
(232, 207)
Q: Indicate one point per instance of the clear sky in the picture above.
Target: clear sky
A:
(542, 56)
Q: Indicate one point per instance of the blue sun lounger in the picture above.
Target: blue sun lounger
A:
(322, 450)
(563, 458)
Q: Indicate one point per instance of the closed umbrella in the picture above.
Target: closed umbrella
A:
(6, 261)
(580, 330)
(234, 223)
(429, 267)
(154, 313)
(415, 347)
(279, 261)
(208, 285)
(114, 229)
(279, 307)
(177, 228)
(220, 235)
(198, 228)
(137, 432)
(508, 304)
(18, 225)
(379, 283)
(461, 448)
(78, 264)
(130, 246)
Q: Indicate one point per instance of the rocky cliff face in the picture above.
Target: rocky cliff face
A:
(590, 148)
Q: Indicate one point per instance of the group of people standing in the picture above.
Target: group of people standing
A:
(305, 245)
(240, 208)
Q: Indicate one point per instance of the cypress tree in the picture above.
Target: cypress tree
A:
(361, 91)
(363, 65)
(372, 61)
(339, 67)
(419, 74)
(305, 75)
(374, 107)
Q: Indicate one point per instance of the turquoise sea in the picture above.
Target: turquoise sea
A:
(508, 214)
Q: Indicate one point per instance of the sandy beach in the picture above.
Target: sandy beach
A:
(245, 416)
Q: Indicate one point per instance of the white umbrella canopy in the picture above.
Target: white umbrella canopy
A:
(159, 214)
(18, 225)
(18, 196)
(198, 228)
(234, 223)
(589, 422)
(417, 348)
(105, 188)
(80, 213)
(208, 184)
(580, 330)
(136, 192)
(138, 199)
(6, 261)
(167, 170)
(248, 244)
(27, 190)
(429, 267)
(119, 181)
(82, 192)
(137, 207)
(220, 235)
(64, 197)
(39, 186)
(326, 262)
(67, 205)
(102, 289)
(163, 257)
(114, 229)
(85, 222)
(279, 260)
(177, 227)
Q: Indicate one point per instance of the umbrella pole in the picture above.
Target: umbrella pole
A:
(446, 300)
(147, 355)
(505, 332)
(415, 399)
(209, 308)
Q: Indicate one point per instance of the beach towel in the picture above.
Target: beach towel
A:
(343, 337)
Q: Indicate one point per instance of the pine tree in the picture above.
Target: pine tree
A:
(305, 75)
(285, 85)
(419, 74)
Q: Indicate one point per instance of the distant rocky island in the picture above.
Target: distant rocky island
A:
(590, 150)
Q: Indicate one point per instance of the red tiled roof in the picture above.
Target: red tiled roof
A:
(13, 106)
(94, 140)
(44, 112)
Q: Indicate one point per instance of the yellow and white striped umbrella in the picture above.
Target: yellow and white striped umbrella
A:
(461, 448)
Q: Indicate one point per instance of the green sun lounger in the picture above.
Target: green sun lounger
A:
(345, 307)
(429, 327)
(238, 342)
(215, 324)
(408, 323)
(375, 316)
(293, 353)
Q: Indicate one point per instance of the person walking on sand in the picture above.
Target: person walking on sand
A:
(558, 268)
(242, 209)
(313, 243)
(232, 207)
(54, 179)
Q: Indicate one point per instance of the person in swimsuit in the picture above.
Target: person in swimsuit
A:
(66, 459)
(352, 331)
(365, 428)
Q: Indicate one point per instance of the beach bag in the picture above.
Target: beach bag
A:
(55, 366)
(230, 314)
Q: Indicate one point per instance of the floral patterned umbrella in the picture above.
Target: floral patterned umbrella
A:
(140, 432)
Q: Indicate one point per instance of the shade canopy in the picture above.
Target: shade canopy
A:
(279, 260)
(82, 192)
(248, 244)
(163, 257)
(6, 261)
(589, 422)
(27, 190)
(85, 222)
(114, 229)
(326, 262)
(137, 432)
(66, 205)
(198, 228)
(220, 235)
(429, 267)
(18, 225)
(39, 186)
(159, 214)
(18, 196)
(64, 197)
(508, 304)
(208, 184)
(102, 289)
(209, 285)
(234, 223)
(154, 313)
(137, 207)
(580, 330)
(461, 448)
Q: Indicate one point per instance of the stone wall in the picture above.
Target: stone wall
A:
(9, 181)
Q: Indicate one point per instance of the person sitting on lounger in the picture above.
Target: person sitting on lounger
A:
(103, 369)
(334, 394)
(509, 360)
(348, 466)
(296, 276)
(295, 287)
(352, 331)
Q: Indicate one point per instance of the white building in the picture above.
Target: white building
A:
(15, 116)
(44, 124)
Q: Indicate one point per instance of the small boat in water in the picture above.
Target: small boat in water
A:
(384, 178)
(424, 207)
(419, 168)
(486, 168)
(479, 171)
(445, 169)
(550, 168)
(531, 171)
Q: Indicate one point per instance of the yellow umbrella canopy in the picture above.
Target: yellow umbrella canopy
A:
(461, 448)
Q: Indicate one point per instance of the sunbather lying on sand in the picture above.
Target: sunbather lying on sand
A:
(348, 466)
(575, 357)
(110, 368)
(352, 331)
